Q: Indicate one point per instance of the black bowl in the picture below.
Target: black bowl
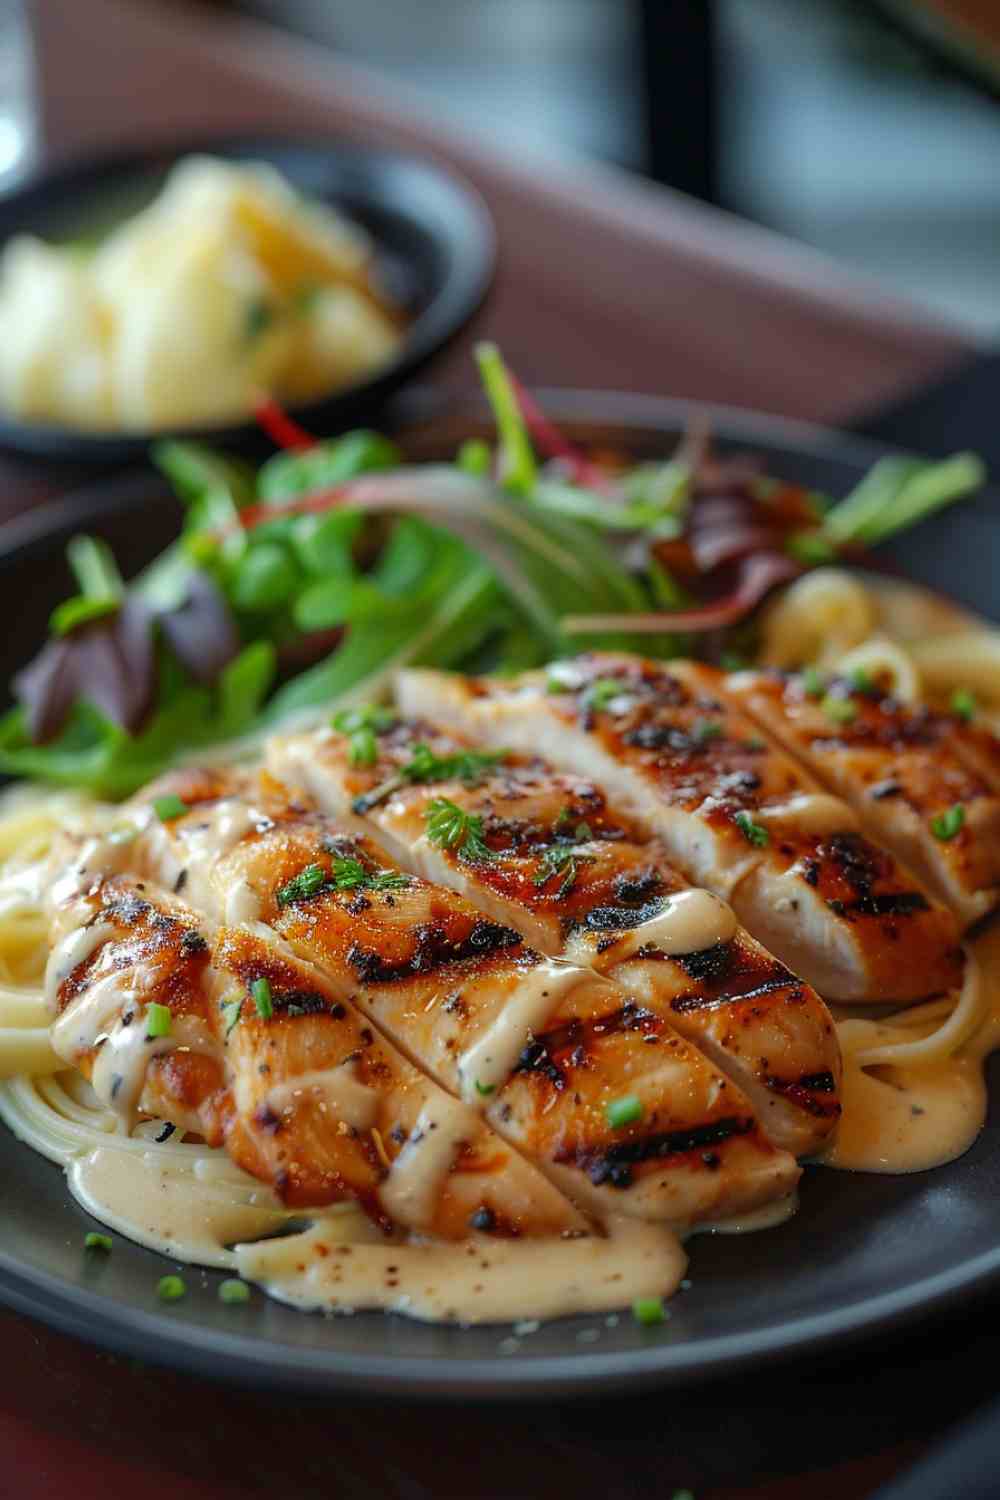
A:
(434, 244)
(864, 1256)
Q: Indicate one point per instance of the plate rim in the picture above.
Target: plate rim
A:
(261, 1362)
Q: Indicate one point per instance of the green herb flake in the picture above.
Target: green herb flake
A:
(94, 1241)
(813, 683)
(754, 833)
(839, 710)
(170, 1289)
(231, 1012)
(624, 1111)
(602, 692)
(755, 743)
(562, 859)
(362, 725)
(260, 993)
(158, 1020)
(232, 1290)
(948, 824)
(450, 827)
(731, 661)
(860, 680)
(308, 882)
(649, 1311)
(169, 807)
(704, 730)
(485, 1089)
(963, 705)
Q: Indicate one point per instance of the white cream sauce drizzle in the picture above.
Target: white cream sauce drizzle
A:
(478, 1280)
(413, 1187)
(73, 949)
(119, 1072)
(336, 1090)
(690, 922)
(490, 1060)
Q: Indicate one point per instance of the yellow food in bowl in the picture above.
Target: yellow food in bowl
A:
(228, 285)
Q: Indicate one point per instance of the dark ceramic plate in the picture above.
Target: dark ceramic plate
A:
(865, 1253)
(432, 234)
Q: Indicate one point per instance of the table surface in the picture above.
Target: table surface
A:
(657, 294)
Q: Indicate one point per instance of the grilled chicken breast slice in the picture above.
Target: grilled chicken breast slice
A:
(306, 1098)
(574, 879)
(916, 777)
(617, 1109)
(733, 813)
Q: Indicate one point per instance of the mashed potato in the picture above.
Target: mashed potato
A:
(228, 285)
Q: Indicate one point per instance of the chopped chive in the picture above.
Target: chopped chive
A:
(839, 710)
(649, 1311)
(230, 1015)
(947, 824)
(233, 1290)
(704, 730)
(170, 1288)
(261, 993)
(624, 1111)
(813, 683)
(963, 705)
(754, 833)
(94, 1241)
(158, 1020)
(169, 807)
(485, 1089)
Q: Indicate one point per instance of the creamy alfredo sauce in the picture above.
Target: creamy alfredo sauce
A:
(896, 1119)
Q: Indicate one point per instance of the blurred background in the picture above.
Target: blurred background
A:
(769, 108)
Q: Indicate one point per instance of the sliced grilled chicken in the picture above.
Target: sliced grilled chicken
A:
(118, 951)
(619, 1110)
(922, 781)
(575, 880)
(733, 813)
(304, 1096)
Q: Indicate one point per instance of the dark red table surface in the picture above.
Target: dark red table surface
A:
(601, 284)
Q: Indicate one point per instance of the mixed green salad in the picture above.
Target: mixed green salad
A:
(299, 589)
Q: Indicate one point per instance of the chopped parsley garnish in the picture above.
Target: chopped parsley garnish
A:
(485, 1089)
(649, 1311)
(451, 827)
(169, 807)
(947, 824)
(308, 882)
(839, 710)
(754, 833)
(704, 730)
(170, 1288)
(624, 1111)
(860, 680)
(423, 766)
(362, 725)
(158, 1020)
(230, 1015)
(963, 705)
(813, 683)
(602, 691)
(233, 1290)
(562, 859)
(94, 1241)
(351, 875)
(260, 993)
